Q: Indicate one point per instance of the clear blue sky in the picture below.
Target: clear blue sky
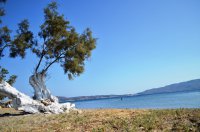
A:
(142, 44)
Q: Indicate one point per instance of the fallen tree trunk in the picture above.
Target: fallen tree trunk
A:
(25, 103)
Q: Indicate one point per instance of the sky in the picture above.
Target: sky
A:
(141, 44)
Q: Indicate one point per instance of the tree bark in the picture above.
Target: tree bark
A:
(37, 81)
(23, 102)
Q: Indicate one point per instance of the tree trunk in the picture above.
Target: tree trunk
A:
(37, 81)
(23, 102)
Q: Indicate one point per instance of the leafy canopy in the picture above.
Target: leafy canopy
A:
(22, 41)
(4, 40)
(4, 73)
(59, 43)
(62, 44)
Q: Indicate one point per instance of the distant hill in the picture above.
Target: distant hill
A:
(192, 85)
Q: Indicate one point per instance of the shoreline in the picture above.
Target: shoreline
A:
(112, 96)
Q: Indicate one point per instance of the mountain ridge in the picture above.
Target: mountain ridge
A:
(191, 85)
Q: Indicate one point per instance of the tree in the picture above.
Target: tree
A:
(4, 38)
(3, 74)
(59, 43)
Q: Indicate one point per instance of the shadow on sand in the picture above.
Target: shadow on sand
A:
(14, 114)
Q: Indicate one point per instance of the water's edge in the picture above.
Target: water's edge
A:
(187, 99)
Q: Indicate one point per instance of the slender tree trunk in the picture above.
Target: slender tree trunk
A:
(37, 81)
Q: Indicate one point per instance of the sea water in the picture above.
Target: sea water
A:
(155, 101)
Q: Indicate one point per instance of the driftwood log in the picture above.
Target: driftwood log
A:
(25, 103)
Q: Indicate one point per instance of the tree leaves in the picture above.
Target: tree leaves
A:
(2, 11)
(4, 32)
(62, 44)
(5, 40)
(59, 43)
(22, 41)
(3, 74)
(12, 79)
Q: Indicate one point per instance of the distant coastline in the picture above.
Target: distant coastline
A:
(95, 97)
(188, 86)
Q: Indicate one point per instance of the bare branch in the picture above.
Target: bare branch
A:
(59, 57)
(5, 46)
(38, 65)
(41, 57)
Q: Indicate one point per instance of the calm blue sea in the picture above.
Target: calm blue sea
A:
(168, 100)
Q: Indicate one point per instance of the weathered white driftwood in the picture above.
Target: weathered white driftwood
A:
(27, 104)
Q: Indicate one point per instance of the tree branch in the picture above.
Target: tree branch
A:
(42, 55)
(59, 57)
(6, 45)
(1, 49)
(38, 65)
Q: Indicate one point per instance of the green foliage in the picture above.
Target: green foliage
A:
(4, 32)
(2, 11)
(23, 40)
(5, 41)
(3, 75)
(3, 1)
(62, 44)
(12, 79)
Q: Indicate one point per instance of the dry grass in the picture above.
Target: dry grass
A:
(109, 120)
